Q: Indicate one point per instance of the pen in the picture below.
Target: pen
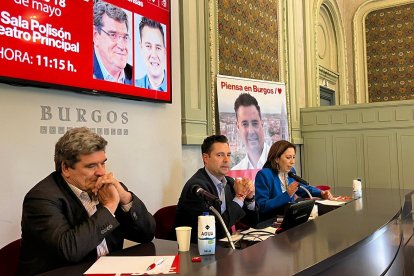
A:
(157, 263)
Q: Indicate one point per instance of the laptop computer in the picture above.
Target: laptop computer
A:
(296, 213)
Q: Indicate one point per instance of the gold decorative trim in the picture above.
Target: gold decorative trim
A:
(328, 75)
(283, 58)
(214, 68)
(331, 7)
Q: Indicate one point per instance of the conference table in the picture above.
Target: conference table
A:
(366, 236)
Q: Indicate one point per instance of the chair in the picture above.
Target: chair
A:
(324, 187)
(164, 219)
(9, 258)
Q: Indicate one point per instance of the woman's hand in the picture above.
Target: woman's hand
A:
(292, 188)
(326, 195)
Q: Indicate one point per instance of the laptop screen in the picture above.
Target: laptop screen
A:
(296, 213)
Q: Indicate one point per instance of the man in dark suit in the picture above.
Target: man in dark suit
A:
(80, 211)
(237, 196)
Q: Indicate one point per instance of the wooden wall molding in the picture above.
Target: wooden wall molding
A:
(373, 141)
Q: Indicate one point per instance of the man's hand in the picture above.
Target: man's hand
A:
(249, 189)
(108, 196)
(244, 187)
(124, 196)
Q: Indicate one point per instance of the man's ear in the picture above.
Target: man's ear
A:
(65, 169)
(95, 34)
(205, 156)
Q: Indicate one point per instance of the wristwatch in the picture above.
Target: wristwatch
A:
(249, 200)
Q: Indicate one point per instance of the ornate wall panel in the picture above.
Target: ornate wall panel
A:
(248, 39)
(390, 53)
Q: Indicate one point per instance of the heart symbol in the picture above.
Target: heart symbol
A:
(279, 90)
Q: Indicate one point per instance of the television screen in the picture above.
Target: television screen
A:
(112, 47)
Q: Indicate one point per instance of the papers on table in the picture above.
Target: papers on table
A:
(331, 202)
(336, 201)
(134, 265)
(252, 234)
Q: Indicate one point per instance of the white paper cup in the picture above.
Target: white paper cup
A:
(314, 212)
(183, 237)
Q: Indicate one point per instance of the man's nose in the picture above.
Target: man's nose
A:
(153, 52)
(226, 158)
(100, 170)
(121, 45)
(250, 129)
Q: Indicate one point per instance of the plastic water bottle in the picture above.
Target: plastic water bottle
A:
(206, 234)
(357, 188)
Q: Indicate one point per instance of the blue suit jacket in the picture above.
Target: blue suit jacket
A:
(97, 72)
(269, 195)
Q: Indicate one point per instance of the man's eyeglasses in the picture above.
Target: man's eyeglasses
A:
(114, 36)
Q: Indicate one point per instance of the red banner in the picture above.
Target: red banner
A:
(53, 43)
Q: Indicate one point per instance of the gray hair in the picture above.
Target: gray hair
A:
(76, 142)
(100, 8)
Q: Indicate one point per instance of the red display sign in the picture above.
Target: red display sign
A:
(113, 47)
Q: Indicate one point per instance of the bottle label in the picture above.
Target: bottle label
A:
(206, 235)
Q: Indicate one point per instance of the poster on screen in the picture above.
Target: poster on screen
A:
(251, 132)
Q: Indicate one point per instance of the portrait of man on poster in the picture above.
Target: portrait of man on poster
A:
(249, 125)
(153, 56)
(111, 42)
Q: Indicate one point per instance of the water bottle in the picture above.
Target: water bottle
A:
(206, 234)
(357, 188)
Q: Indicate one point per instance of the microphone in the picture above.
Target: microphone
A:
(209, 197)
(297, 178)
(210, 200)
(300, 180)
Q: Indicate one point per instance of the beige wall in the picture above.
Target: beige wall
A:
(148, 160)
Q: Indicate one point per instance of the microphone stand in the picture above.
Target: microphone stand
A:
(217, 214)
(307, 191)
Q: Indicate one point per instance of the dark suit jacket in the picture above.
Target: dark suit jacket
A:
(97, 72)
(191, 206)
(57, 231)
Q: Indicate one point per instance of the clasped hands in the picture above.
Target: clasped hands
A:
(110, 192)
(244, 188)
